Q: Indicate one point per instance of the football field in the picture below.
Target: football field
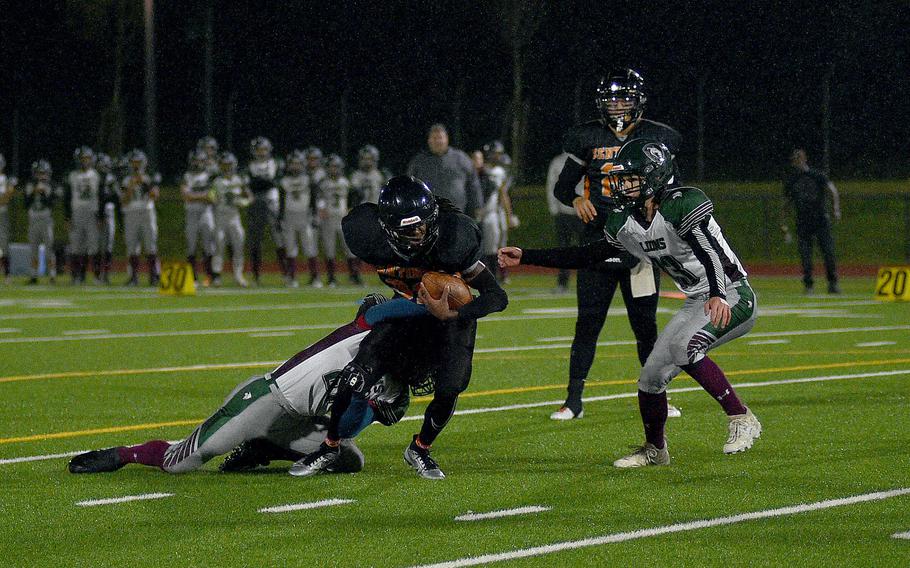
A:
(828, 482)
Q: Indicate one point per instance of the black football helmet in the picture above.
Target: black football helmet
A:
(409, 216)
(621, 99)
(641, 169)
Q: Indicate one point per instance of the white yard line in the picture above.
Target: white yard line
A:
(9, 330)
(904, 535)
(304, 506)
(557, 338)
(876, 343)
(668, 529)
(471, 516)
(618, 396)
(769, 342)
(86, 332)
(273, 334)
(126, 499)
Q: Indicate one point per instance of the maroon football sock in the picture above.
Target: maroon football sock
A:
(281, 255)
(207, 263)
(712, 379)
(330, 268)
(291, 263)
(653, 408)
(313, 264)
(191, 260)
(150, 453)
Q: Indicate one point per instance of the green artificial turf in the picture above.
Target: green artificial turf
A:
(824, 439)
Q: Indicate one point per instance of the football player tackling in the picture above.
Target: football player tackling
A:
(675, 229)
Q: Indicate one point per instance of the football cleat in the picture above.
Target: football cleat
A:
(744, 430)
(643, 456)
(254, 453)
(320, 461)
(419, 459)
(673, 412)
(566, 413)
(96, 461)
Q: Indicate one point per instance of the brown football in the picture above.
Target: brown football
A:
(459, 293)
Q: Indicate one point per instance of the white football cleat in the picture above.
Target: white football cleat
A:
(643, 456)
(565, 413)
(744, 430)
(673, 412)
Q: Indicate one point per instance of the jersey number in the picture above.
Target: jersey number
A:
(677, 271)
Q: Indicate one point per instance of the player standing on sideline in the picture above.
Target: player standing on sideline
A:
(332, 206)
(314, 167)
(296, 217)
(674, 228)
(138, 194)
(103, 261)
(408, 233)
(83, 207)
(805, 191)
(209, 145)
(368, 179)
(7, 190)
(591, 147)
(229, 192)
(277, 416)
(39, 201)
(263, 171)
(200, 222)
(569, 227)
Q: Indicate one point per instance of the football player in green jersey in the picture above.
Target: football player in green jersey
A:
(675, 229)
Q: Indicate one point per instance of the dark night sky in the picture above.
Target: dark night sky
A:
(289, 62)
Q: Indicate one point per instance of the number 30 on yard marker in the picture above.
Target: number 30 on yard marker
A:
(177, 279)
(893, 283)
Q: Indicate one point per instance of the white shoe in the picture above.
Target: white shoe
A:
(744, 430)
(673, 412)
(241, 281)
(645, 455)
(292, 283)
(565, 413)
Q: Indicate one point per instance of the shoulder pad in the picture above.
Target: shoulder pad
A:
(686, 207)
(459, 242)
(615, 221)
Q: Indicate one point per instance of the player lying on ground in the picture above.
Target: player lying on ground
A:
(675, 229)
(282, 414)
(408, 233)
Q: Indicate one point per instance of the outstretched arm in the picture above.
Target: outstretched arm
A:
(566, 257)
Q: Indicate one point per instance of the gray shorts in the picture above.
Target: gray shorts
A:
(690, 335)
(84, 232)
(140, 231)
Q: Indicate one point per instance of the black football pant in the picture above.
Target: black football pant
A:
(408, 348)
(595, 293)
(819, 230)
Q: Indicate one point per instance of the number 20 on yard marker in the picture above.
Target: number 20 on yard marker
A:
(177, 279)
(893, 283)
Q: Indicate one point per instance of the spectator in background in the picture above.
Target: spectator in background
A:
(805, 190)
(448, 172)
(569, 227)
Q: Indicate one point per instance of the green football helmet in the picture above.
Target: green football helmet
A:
(641, 169)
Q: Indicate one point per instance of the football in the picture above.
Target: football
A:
(459, 293)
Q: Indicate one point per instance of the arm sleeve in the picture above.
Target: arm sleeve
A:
(703, 247)
(572, 173)
(571, 257)
(492, 297)
(395, 308)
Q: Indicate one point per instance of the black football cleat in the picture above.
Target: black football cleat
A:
(96, 461)
(255, 453)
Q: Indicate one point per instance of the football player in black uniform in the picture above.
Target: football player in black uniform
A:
(591, 147)
(409, 232)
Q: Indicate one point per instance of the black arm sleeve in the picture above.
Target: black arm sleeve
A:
(571, 174)
(570, 257)
(492, 297)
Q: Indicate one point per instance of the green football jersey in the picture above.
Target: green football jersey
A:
(683, 239)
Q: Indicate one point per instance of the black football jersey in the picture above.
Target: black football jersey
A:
(595, 145)
(456, 250)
